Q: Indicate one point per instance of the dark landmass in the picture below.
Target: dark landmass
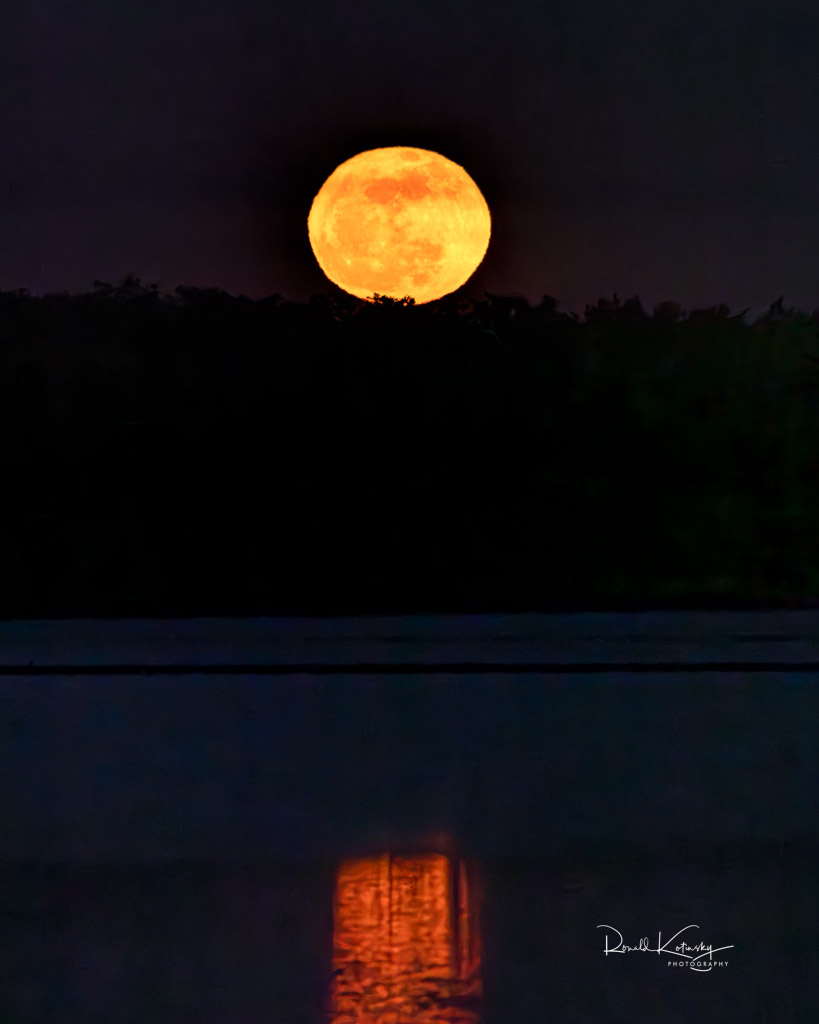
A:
(205, 454)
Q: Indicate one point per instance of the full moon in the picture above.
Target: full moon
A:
(399, 221)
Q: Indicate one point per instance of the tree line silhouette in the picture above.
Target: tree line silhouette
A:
(203, 453)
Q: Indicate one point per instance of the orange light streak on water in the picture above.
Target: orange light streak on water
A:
(406, 948)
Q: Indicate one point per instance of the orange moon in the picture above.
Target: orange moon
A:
(399, 221)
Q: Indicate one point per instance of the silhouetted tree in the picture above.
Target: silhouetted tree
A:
(632, 312)
(377, 299)
(604, 312)
(668, 311)
(775, 315)
(266, 452)
(709, 315)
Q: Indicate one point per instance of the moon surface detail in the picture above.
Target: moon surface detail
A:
(399, 221)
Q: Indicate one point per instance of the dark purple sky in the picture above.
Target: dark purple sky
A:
(666, 149)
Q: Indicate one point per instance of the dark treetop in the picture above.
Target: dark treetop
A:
(201, 453)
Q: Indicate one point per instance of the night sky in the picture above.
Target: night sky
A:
(669, 150)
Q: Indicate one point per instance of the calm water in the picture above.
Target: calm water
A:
(406, 939)
(397, 849)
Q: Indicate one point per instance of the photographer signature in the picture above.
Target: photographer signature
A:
(699, 956)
